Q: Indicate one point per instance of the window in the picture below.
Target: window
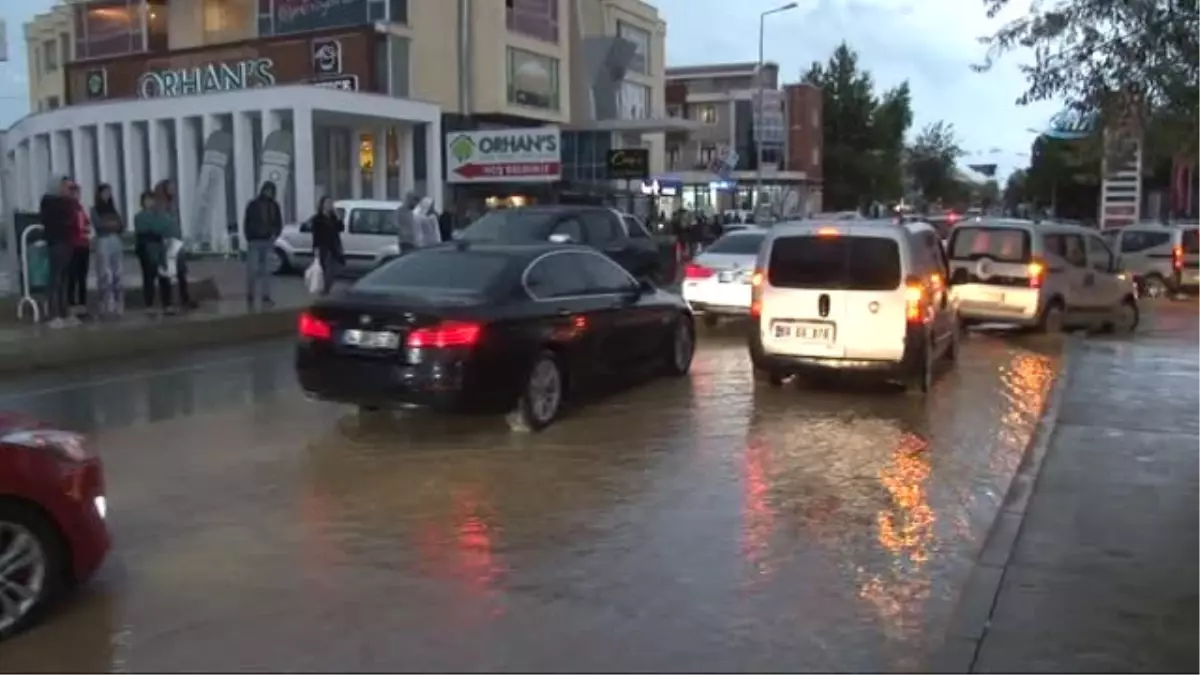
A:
(513, 226)
(52, 103)
(158, 30)
(707, 114)
(1191, 240)
(604, 275)
(737, 244)
(532, 79)
(571, 228)
(1099, 255)
(1001, 244)
(843, 263)
(229, 20)
(398, 11)
(816, 156)
(674, 111)
(599, 227)
(50, 56)
(108, 28)
(558, 275)
(534, 18)
(672, 157)
(1134, 241)
(1068, 247)
(374, 221)
(634, 227)
(634, 101)
(468, 272)
(64, 48)
(708, 153)
(816, 118)
(641, 46)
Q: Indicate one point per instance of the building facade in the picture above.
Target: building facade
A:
(717, 167)
(49, 46)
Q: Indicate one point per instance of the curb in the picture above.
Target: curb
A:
(62, 349)
(971, 618)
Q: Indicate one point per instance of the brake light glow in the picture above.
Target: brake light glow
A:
(1177, 257)
(756, 284)
(828, 232)
(914, 301)
(312, 328)
(1037, 274)
(446, 334)
(694, 271)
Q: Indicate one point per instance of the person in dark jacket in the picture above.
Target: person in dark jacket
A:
(57, 214)
(81, 255)
(164, 198)
(263, 224)
(151, 228)
(327, 241)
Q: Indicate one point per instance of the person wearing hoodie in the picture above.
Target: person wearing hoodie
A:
(263, 225)
(151, 227)
(109, 251)
(406, 223)
(327, 242)
(57, 219)
(425, 224)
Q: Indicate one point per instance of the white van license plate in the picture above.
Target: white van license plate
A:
(805, 332)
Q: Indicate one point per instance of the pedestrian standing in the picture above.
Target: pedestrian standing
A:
(164, 199)
(57, 220)
(406, 229)
(327, 242)
(109, 251)
(81, 256)
(264, 223)
(150, 228)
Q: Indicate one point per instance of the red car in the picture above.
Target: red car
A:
(52, 509)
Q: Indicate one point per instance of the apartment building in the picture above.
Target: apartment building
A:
(717, 167)
(575, 78)
(50, 43)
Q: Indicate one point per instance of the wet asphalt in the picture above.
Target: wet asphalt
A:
(699, 525)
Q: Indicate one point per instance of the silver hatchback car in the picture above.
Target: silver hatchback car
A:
(1039, 275)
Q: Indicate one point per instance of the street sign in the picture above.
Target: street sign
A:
(504, 156)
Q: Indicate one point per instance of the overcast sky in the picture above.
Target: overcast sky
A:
(931, 43)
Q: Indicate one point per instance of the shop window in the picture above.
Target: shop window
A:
(533, 18)
(229, 20)
(532, 80)
(641, 46)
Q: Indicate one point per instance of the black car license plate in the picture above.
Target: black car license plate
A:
(371, 339)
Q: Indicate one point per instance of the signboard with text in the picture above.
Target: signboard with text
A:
(504, 156)
(628, 164)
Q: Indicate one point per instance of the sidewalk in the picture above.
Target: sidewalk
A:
(1101, 571)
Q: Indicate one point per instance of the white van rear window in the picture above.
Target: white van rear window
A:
(1002, 244)
(840, 263)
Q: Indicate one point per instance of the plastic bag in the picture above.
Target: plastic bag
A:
(314, 278)
(170, 265)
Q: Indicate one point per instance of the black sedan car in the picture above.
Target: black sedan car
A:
(517, 328)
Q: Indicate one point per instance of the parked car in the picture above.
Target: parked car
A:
(52, 518)
(370, 227)
(620, 236)
(863, 295)
(1046, 276)
(716, 283)
(1162, 258)
(516, 328)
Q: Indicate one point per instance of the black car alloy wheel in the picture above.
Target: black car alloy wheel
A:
(682, 348)
(542, 396)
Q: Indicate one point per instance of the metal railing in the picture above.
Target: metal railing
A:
(27, 298)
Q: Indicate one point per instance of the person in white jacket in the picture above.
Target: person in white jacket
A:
(425, 224)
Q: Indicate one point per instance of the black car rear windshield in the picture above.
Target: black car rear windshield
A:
(450, 270)
(1002, 244)
(1191, 241)
(841, 263)
(509, 225)
(737, 244)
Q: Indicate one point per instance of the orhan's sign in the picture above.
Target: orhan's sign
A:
(342, 59)
(212, 77)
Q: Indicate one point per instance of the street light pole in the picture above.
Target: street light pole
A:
(758, 120)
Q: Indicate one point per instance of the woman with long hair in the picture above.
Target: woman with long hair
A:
(109, 250)
(81, 255)
(151, 227)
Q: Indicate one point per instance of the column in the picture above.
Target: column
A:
(160, 152)
(42, 171)
(187, 170)
(408, 175)
(305, 175)
(244, 175)
(82, 148)
(25, 177)
(354, 138)
(133, 145)
(106, 159)
(433, 162)
(60, 160)
(379, 170)
(332, 157)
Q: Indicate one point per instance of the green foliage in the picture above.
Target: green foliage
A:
(1131, 60)
(931, 163)
(863, 135)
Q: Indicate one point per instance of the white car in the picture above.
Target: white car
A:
(717, 282)
(370, 227)
(863, 295)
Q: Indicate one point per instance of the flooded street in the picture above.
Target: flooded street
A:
(704, 524)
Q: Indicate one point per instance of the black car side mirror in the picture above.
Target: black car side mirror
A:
(646, 287)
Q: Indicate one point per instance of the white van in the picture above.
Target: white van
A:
(370, 227)
(862, 295)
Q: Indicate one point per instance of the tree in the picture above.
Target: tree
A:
(931, 163)
(862, 136)
(1120, 58)
(1016, 191)
(988, 194)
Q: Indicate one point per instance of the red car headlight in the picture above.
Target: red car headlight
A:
(66, 444)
